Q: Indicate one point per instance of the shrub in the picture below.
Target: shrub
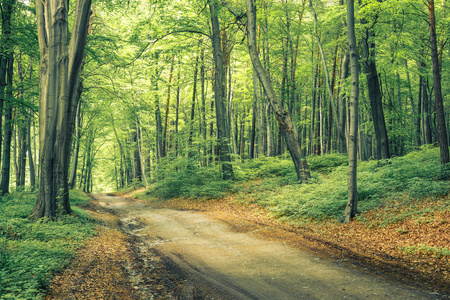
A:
(32, 252)
(192, 182)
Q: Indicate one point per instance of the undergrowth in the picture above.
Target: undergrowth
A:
(32, 252)
(272, 183)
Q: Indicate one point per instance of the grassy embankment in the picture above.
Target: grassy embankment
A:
(32, 252)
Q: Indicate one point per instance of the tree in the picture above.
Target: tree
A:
(351, 208)
(59, 80)
(221, 114)
(6, 81)
(375, 96)
(440, 115)
(284, 119)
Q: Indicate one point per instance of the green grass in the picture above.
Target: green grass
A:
(32, 252)
(271, 183)
(425, 249)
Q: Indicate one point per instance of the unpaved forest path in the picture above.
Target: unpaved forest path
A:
(208, 260)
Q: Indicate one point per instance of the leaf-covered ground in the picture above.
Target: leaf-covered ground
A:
(406, 248)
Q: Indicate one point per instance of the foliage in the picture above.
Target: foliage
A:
(326, 163)
(421, 248)
(32, 252)
(413, 176)
(190, 182)
(271, 183)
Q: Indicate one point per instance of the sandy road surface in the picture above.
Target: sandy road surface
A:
(218, 263)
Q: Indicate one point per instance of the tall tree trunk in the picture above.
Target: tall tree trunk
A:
(203, 91)
(30, 152)
(283, 118)
(342, 105)
(255, 144)
(375, 96)
(177, 110)
(413, 108)
(191, 123)
(166, 115)
(76, 151)
(221, 114)
(428, 137)
(6, 73)
(439, 105)
(58, 90)
(6, 166)
(158, 120)
(313, 111)
(351, 208)
(21, 129)
(242, 136)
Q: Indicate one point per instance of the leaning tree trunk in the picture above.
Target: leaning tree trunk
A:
(221, 114)
(282, 116)
(351, 208)
(59, 80)
(440, 116)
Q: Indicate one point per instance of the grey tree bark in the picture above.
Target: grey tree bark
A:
(375, 96)
(351, 208)
(8, 131)
(439, 105)
(76, 151)
(59, 80)
(221, 114)
(6, 72)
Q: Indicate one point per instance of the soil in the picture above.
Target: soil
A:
(221, 250)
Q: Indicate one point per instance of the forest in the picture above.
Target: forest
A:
(296, 102)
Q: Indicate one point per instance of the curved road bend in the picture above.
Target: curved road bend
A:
(232, 265)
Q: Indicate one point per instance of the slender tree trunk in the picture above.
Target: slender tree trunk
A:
(177, 111)
(242, 137)
(255, 144)
(30, 152)
(76, 151)
(221, 114)
(327, 81)
(165, 145)
(375, 96)
(6, 166)
(413, 108)
(203, 91)
(194, 97)
(428, 137)
(351, 208)
(21, 129)
(342, 105)
(313, 112)
(439, 105)
(283, 118)
(6, 73)
(158, 120)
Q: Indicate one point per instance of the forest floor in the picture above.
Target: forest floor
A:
(169, 250)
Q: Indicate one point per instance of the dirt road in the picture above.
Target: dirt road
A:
(208, 260)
